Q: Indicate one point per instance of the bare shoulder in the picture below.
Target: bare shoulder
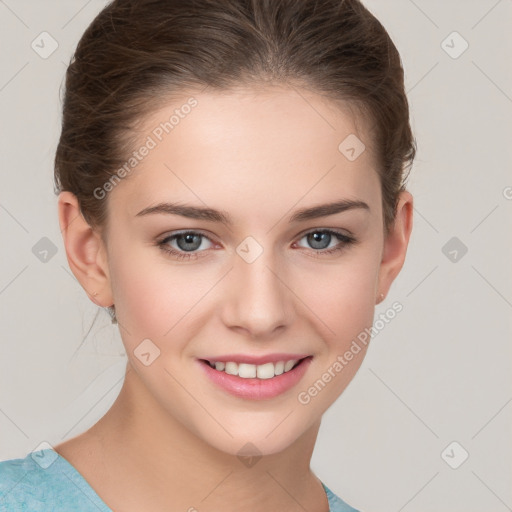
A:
(84, 454)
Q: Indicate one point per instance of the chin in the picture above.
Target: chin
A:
(247, 448)
(253, 438)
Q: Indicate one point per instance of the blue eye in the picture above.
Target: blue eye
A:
(187, 241)
(190, 241)
(326, 235)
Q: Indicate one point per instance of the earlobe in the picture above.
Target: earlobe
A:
(84, 250)
(396, 243)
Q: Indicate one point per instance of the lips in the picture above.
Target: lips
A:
(256, 388)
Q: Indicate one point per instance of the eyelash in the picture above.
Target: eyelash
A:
(344, 239)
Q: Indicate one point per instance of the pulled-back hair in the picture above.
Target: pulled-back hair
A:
(137, 54)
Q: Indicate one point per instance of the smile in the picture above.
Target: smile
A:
(251, 371)
(255, 381)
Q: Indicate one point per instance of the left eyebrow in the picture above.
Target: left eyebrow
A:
(324, 210)
(212, 215)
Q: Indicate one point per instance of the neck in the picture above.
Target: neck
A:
(154, 454)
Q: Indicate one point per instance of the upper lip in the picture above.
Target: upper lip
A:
(248, 359)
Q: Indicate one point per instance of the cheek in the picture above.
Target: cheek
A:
(340, 304)
(341, 295)
(147, 294)
(157, 300)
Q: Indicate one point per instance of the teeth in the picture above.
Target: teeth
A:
(251, 371)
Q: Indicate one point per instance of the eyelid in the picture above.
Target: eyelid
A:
(341, 231)
(178, 232)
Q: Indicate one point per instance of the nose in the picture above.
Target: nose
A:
(257, 299)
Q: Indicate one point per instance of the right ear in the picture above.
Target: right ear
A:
(85, 251)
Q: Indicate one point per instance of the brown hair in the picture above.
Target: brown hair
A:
(137, 54)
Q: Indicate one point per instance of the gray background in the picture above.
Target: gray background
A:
(438, 373)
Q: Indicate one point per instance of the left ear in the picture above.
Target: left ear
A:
(395, 244)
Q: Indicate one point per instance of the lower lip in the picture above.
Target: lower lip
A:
(256, 389)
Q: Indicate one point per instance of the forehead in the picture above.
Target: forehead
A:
(253, 144)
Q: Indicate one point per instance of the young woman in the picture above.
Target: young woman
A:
(231, 179)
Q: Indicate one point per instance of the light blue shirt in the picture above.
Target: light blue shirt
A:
(44, 481)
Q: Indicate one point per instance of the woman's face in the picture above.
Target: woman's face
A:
(267, 282)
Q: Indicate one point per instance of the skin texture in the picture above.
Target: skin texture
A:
(170, 440)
